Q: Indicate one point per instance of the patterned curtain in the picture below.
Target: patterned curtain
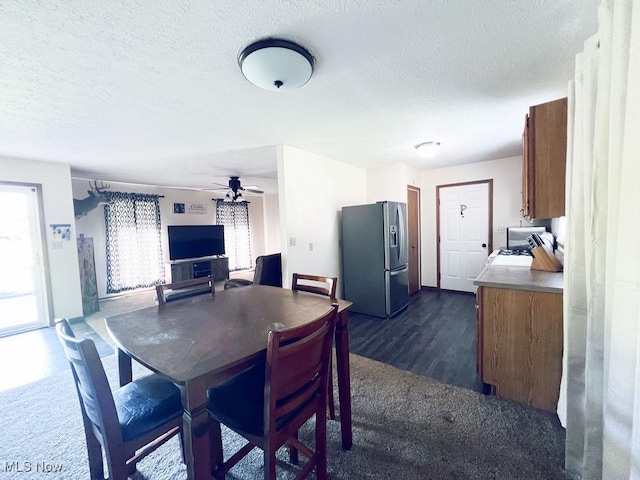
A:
(134, 249)
(237, 241)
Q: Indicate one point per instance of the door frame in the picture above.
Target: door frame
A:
(489, 183)
(47, 290)
(412, 188)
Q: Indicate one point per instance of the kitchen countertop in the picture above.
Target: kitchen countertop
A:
(520, 278)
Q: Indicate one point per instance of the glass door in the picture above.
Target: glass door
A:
(23, 303)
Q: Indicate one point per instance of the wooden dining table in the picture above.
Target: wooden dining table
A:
(198, 343)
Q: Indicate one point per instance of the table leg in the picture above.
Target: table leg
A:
(124, 367)
(344, 382)
(197, 448)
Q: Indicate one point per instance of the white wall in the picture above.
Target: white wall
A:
(507, 199)
(63, 270)
(256, 226)
(272, 237)
(313, 189)
(92, 225)
(390, 183)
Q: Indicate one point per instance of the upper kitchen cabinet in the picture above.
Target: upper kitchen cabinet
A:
(544, 157)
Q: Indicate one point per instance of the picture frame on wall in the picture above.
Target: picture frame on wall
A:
(194, 208)
(179, 208)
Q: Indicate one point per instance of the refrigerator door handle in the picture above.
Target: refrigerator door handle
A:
(402, 250)
(399, 271)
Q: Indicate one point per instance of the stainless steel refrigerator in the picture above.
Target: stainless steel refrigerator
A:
(374, 258)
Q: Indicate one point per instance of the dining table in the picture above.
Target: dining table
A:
(201, 342)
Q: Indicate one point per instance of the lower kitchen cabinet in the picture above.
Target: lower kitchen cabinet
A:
(520, 344)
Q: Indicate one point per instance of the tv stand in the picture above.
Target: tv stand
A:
(217, 267)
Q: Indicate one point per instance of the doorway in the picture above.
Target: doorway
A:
(413, 232)
(464, 222)
(23, 300)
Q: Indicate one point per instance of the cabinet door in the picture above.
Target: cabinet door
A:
(522, 345)
(526, 177)
(479, 327)
(220, 269)
(547, 151)
(181, 271)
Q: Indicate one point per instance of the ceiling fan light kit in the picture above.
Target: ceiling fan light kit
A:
(235, 189)
(427, 149)
(276, 64)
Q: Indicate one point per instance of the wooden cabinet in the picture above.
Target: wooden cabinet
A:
(520, 344)
(544, 152)
(217, 267)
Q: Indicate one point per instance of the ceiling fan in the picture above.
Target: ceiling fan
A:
(235, 189)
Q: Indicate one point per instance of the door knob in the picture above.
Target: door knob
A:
(484, 245)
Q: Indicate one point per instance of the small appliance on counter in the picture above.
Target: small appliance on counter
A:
(517, 236)
(511, 258)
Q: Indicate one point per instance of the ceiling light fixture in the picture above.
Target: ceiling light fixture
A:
(276, 64)
(427, 149)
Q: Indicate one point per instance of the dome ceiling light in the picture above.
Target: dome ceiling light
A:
(427, 149)
(276, 64)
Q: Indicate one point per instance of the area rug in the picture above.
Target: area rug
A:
(404, 427)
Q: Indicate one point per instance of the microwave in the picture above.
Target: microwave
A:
(517, 236)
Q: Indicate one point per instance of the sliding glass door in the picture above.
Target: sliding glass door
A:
(23, 303)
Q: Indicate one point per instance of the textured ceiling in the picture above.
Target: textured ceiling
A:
(150, 91)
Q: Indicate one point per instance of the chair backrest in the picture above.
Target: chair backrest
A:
(268, 270)
(297, 367)
(315, 284)
(92, 386)
(166, 292)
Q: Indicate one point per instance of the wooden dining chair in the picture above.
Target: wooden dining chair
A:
(169, 292)
(128, 423)
(315, 284)
(268, 404)
(326, 286)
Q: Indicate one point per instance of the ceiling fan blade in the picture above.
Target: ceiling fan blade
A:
(252, 189)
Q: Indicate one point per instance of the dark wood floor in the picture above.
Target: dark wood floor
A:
(434, 336)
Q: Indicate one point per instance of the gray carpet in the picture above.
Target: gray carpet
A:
(405, 427)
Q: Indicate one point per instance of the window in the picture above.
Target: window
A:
(237, 239)
(134, 249)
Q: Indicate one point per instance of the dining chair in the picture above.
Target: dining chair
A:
(169, 292)
(127, 423)
(322, 286)
(269, 402)
(315, 284)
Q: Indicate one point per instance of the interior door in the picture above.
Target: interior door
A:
(413, 227)
(464, 234)
(23, 303)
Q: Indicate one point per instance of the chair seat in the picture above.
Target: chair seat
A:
(237, 282)
(239, 402)
(145, 404)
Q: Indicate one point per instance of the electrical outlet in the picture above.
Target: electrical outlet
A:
(292, 241)
(500, 230)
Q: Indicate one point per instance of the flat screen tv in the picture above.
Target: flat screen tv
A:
(194, 241)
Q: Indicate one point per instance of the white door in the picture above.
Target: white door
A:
(464, 234)
(22, 282)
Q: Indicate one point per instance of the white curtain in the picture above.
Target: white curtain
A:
(600, 392)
